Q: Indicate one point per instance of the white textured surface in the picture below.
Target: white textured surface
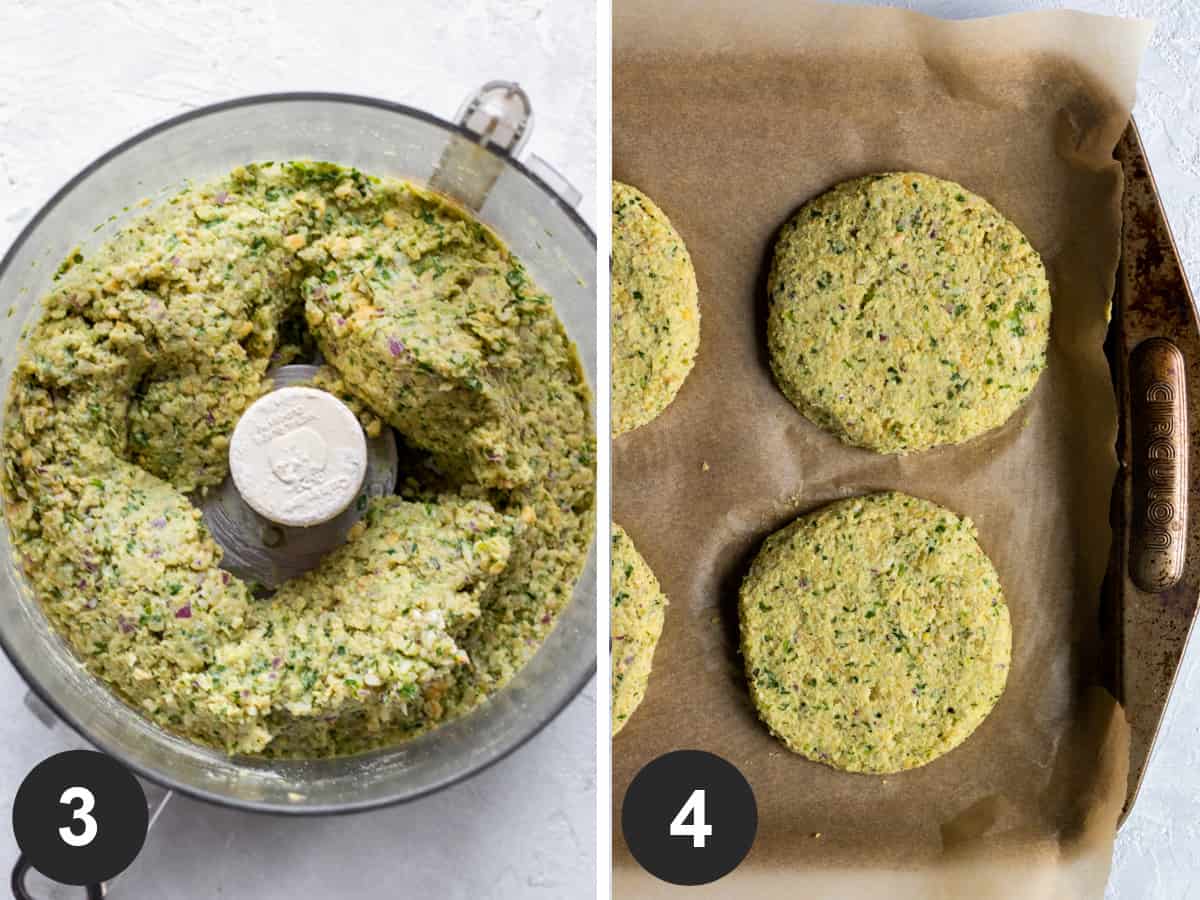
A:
(78, 76)
(1157, 855)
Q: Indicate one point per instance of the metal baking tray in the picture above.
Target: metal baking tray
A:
(1148, 618)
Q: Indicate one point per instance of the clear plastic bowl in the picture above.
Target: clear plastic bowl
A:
(378, 137)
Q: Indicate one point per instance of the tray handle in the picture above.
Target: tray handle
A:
(1159, 460)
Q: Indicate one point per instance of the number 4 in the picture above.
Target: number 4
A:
(699, 829)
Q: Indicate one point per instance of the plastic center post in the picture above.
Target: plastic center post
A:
(298, 456)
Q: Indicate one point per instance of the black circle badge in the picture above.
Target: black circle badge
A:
(689, 817)
(80, 817)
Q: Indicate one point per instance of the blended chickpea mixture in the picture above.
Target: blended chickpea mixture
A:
(120, 413)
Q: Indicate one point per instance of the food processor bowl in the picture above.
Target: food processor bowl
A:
(382, 138)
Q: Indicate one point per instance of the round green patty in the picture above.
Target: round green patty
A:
(638, 610)
(875, 633)
(655, 317)
(906, 312)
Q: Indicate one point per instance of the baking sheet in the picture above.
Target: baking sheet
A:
(731, 117)
(1153, 300)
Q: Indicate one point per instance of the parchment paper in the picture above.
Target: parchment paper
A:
(731, 116)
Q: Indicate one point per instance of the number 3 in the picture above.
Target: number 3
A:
(87, 802)
(699, 829)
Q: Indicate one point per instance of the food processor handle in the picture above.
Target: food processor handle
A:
(21, 892)
(499, 117)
